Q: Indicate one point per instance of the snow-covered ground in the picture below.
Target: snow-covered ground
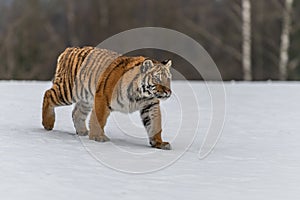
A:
(257, 156)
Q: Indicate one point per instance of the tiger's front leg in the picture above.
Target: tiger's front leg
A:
(98, 120)
(151, 117)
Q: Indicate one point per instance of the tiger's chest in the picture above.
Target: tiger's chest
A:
(122, 103)
(125, 108)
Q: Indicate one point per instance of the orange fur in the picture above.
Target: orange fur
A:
(156, 140)
(83, 75)
(113, 73)
(105, 88)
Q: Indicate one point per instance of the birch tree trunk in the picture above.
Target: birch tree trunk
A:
(246, 31)
(285, 40)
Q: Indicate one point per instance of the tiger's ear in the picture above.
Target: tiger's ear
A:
(167, 63)
(147, 64)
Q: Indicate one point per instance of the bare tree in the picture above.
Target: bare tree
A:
(246, 32)
(285, 40)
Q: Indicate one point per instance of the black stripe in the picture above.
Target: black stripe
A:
(122, 61)
(57, 102)
(65, 88)
(144, 99)
(77, 56)
(90, 81)
(75, 67)
(120, 103)
(51, 97)
(147, 108)
(82, 92)
(67, 58)
(120, 76)
(129, 95)
(96, 57)
(85, 106)
(89, 86)
(120, 94)
(85, 113)
(62, 94)
(144, 78)
(74, 91)
(69, 85)
(71, 63)
(146, 121)
(99, 54)
(107, 62)
(75, 71)
(105, 82)
(85, 74)
(92, 70)
(63, 57)
(58, 94)
(87, 94)
(115, 67)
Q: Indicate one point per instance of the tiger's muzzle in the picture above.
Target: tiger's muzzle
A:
(162, 92)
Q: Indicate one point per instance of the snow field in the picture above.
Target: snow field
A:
(257, 157)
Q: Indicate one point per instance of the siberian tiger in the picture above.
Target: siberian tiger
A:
(103, 81)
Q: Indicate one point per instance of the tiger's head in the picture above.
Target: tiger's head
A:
(156, 78)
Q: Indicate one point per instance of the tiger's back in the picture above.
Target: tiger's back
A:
(68, 64)
(87, 77)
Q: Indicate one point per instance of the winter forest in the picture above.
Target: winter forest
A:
(247, 39)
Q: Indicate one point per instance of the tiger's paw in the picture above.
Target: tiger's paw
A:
(161, 145)
(82, 133)
(99, 138)
(48, 125)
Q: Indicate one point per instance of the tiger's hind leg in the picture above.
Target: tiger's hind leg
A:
(48, 114)
(79, 115)
(54, 97)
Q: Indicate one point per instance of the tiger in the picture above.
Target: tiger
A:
(99, 81)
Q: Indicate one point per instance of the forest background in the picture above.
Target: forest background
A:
(247, 39)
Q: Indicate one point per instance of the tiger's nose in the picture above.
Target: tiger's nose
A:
(168, 92)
